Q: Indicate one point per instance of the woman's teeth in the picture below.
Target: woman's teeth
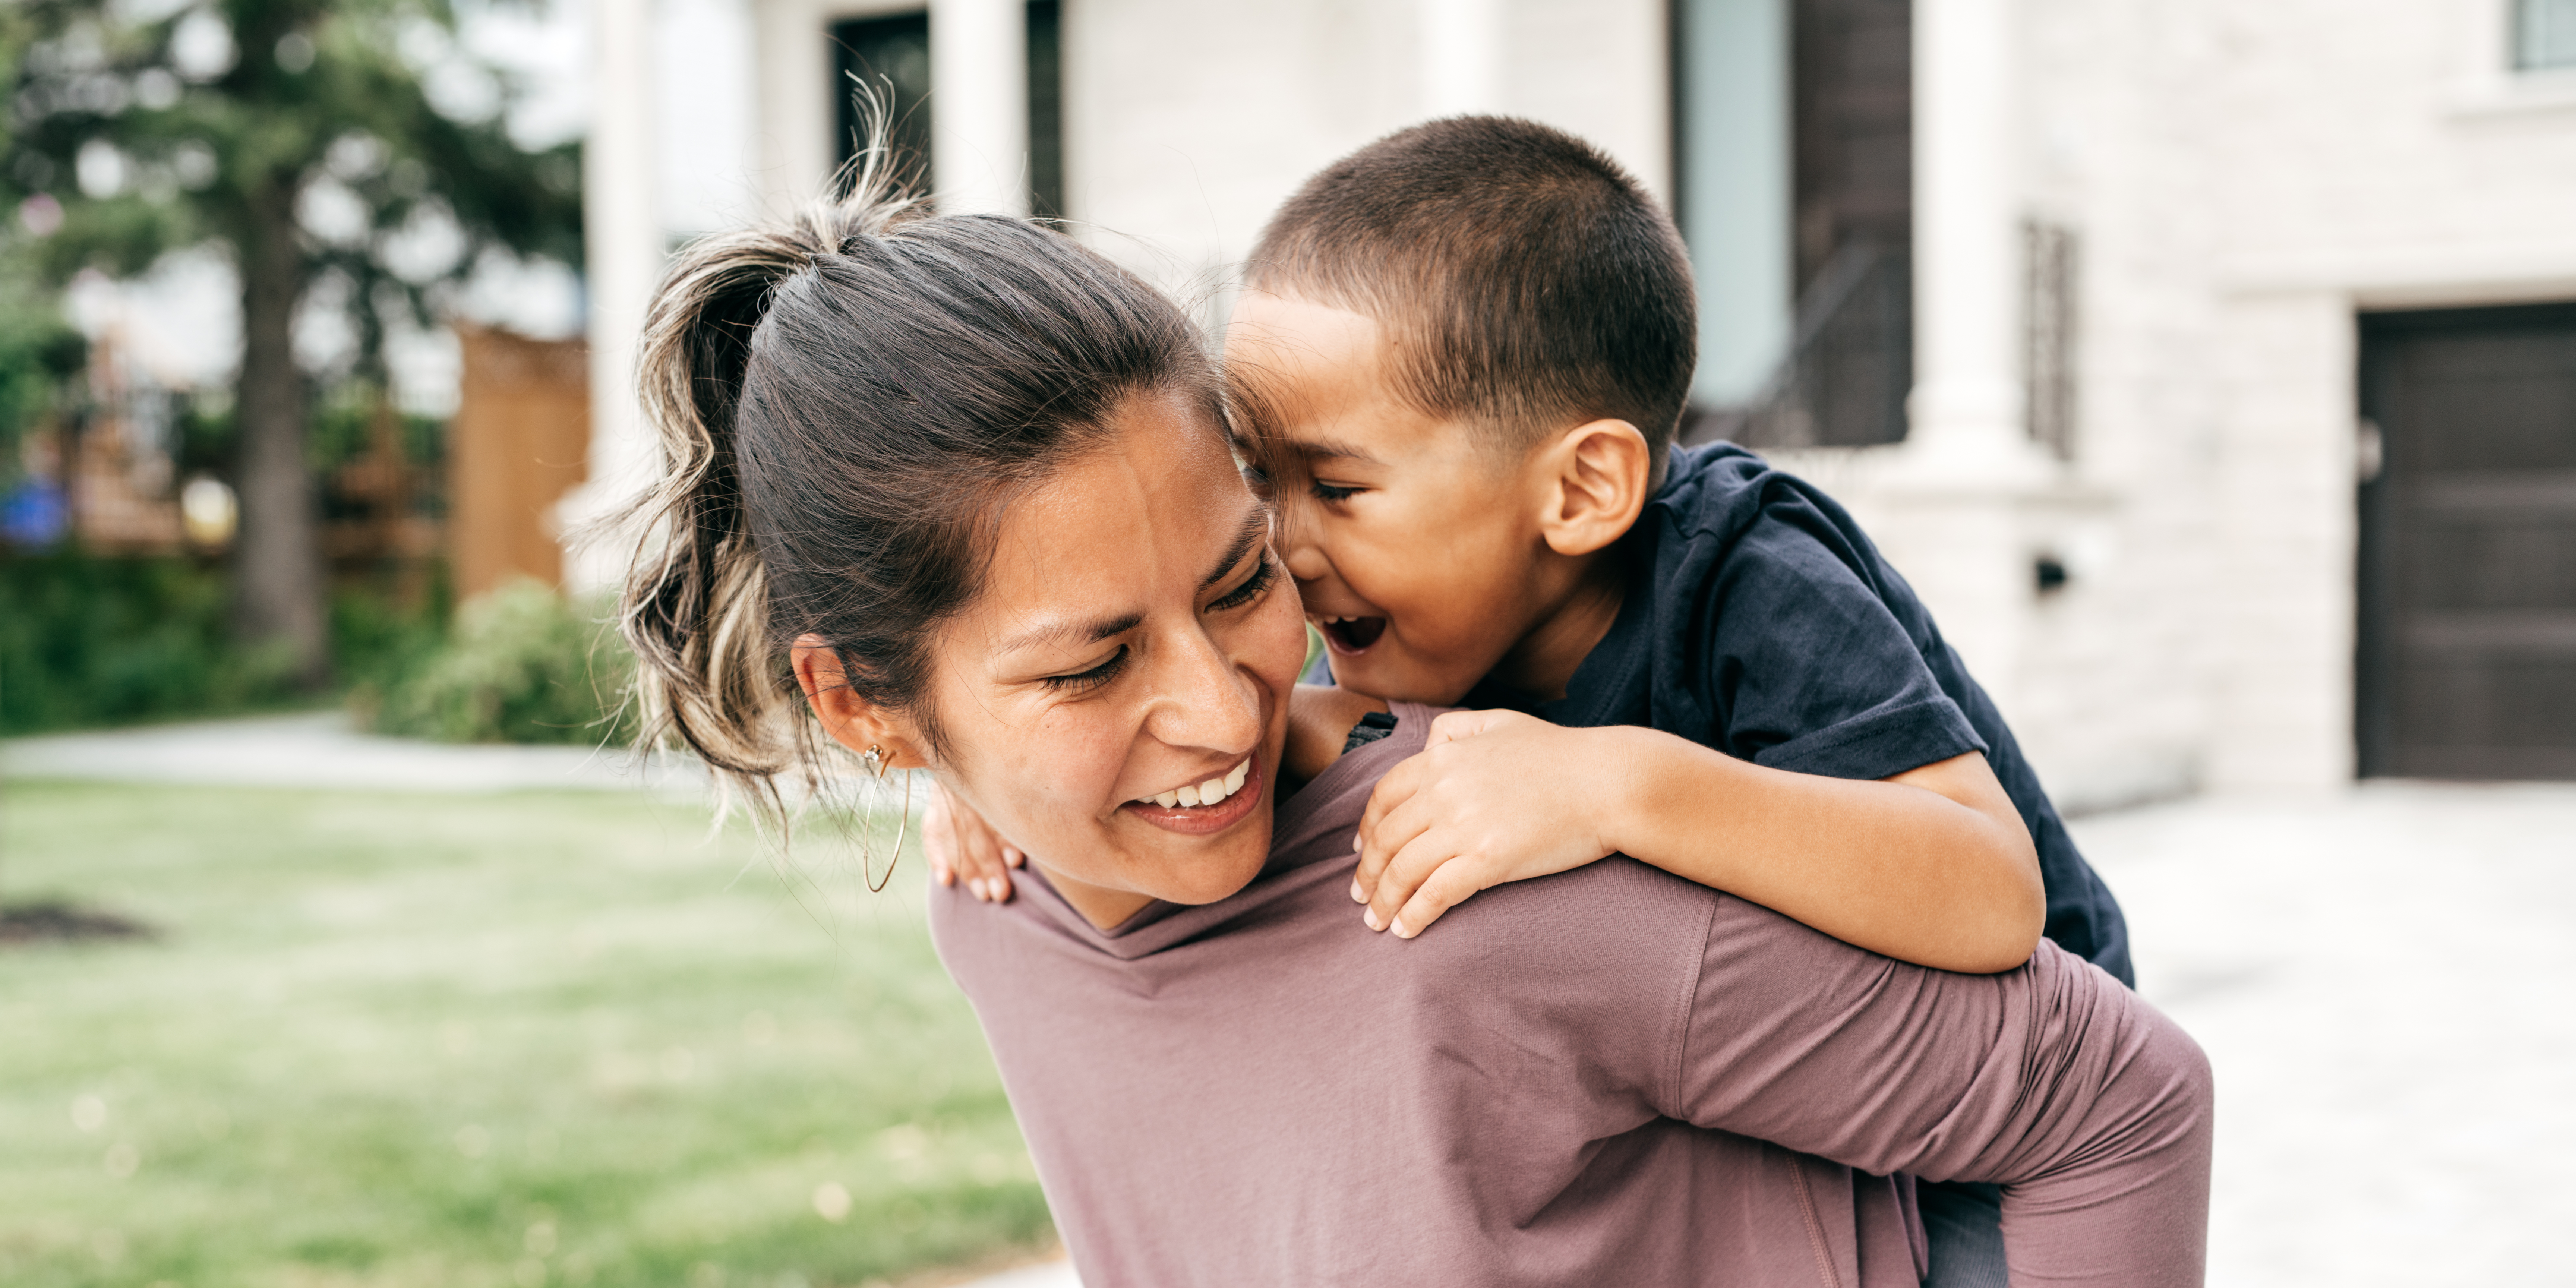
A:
(1207, 793)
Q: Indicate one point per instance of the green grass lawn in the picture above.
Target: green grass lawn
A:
(519, 1039)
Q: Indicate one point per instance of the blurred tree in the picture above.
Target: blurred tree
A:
(347, 153)
(40, 354)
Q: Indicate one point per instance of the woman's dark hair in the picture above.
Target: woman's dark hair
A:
(844, 401)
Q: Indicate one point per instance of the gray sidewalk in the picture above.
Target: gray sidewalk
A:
(2381, 976)
(321, 749)
(2382, 980)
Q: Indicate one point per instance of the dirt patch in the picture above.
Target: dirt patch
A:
(57, 921)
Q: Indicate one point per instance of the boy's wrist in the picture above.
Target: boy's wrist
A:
(1627, 785)
(1654, 779)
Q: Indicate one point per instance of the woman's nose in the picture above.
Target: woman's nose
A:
(1205, 700)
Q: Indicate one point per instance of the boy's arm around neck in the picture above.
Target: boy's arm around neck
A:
(1932, 866)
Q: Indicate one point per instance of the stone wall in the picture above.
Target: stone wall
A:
(2243, 178)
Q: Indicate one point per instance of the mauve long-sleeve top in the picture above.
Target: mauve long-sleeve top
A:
(1607, 1076)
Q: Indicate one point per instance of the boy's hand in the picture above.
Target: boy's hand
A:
(961, 844)
(1494, 796)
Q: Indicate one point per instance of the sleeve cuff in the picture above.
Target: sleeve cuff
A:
(1879, 744)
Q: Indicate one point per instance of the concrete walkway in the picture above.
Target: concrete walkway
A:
(321, 749)
(2382, 977)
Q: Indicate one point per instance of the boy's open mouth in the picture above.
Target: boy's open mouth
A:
(1352, 634)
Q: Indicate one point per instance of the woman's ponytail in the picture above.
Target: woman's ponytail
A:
(697, 597)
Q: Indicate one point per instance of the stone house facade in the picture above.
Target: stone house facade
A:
(2227, 426)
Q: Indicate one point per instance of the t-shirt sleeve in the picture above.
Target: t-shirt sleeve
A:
(1806, 668)
(2090, 1107)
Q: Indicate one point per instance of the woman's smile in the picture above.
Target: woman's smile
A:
(1195, 811)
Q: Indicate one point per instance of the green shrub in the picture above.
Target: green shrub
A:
(89, 641)
(522, 664)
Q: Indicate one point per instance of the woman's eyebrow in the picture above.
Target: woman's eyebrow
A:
(1055, 632)
(1256, 526)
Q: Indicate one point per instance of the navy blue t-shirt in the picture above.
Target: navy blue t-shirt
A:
(1767, 626)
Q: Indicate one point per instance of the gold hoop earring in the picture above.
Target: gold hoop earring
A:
(879, 764)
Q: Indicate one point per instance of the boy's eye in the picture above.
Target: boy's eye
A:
(1248, 590)
(1084, 681)
(1327, 492)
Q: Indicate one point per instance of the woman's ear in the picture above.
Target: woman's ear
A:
(1598, 486)
(850, 719)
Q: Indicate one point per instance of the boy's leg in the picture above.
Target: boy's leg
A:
(1964, 1222)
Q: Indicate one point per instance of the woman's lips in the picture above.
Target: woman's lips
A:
(1351, 635)
(1203, 820)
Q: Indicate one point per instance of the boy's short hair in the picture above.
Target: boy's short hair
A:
(1531, 282)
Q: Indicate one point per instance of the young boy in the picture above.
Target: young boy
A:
(1460, 356)
(1458, 362)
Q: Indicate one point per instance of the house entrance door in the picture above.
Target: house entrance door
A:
(2467, 661)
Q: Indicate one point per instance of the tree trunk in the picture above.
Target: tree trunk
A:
(277, 562)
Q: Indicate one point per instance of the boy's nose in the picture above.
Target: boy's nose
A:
(1304, 560)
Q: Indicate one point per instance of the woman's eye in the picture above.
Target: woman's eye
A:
(1082, 681)
(1249, 590)
(1327, 492)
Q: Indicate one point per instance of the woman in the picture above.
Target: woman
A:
(960, 489)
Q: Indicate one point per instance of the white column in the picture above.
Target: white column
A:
(1965, 414)
(1958, 502)
(1462, 56)
(623, 246)
(979, 105)
(796, 95)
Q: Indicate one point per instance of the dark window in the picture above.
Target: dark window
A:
(2467, 659)
(1850, 360)
(2048, 334)
(1046, 109)
(2544, 34)
(892, 55)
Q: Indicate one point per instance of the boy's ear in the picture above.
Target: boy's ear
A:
(850, 719)
(1597, 486)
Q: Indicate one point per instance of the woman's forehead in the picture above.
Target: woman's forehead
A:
(1152, 513)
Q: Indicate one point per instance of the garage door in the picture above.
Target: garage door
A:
(2468, 543)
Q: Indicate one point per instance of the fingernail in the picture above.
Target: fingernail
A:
(1370, 916)
(1401, 930)
(976, 887)
(1358, 895)
(1355, 845)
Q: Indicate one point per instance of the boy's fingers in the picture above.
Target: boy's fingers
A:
(938, 843)
(1448, 886)
(1404, 874)
(1395, 831)
(1012, 856)
(1395, 788)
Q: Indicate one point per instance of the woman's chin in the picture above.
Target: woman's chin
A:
(1204, 869)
